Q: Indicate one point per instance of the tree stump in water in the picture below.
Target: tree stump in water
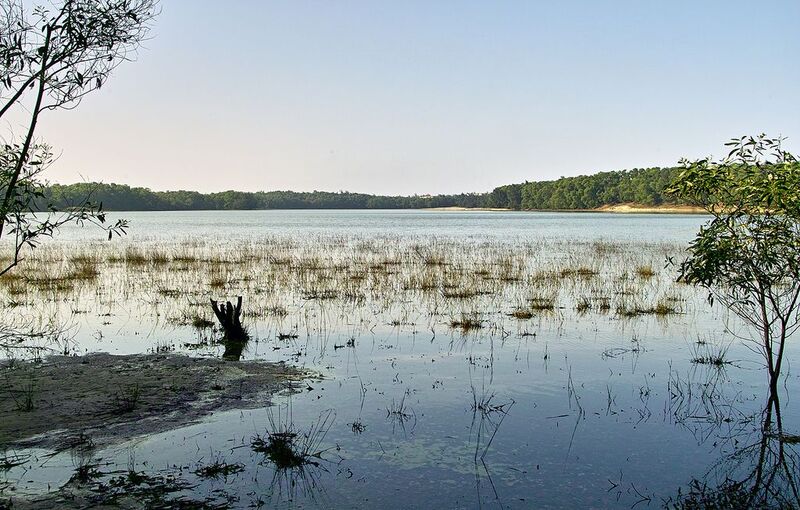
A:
(236, 336)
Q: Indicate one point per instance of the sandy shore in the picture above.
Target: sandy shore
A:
(108, 399)
(658, 209)
(628, 208)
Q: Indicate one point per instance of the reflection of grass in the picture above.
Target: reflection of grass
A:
(9, 461)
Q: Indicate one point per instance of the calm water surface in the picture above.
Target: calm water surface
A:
(584, 411)
(452, 224)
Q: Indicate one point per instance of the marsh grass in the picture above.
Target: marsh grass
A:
(521, 314)
(288, 447)
(710, 354)
(646, 272)
(199, 322)
(25, 395)
(127, 399)
(578, 272)
(400, 413)
(467, 323)
(542, 303)
(287, 281)
(218, 468)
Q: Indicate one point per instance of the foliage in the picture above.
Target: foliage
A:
(50, 58)
(748, 254)
(644, 186)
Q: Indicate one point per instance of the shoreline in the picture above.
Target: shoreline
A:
(626, 208)
(108, 399)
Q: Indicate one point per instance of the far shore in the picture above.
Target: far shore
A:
(627, 208)
(459, 208)
(651, 209)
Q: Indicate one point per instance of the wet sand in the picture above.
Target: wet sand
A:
(109, 399)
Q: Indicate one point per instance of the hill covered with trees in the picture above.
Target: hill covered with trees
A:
(640, 186)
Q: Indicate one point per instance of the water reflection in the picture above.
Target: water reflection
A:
(760, 471)
(234, 347)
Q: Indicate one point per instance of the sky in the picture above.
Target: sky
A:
(427, 97)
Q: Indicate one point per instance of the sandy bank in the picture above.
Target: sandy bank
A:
(113, 398)
(657, 209)
(628, 208)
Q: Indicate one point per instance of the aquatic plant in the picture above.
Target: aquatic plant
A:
(288, 447)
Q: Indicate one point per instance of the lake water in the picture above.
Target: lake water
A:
(589, 408)
(459, 225)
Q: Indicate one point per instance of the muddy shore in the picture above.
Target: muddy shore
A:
(109, 399)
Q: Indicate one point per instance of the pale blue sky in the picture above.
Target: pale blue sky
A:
(429, 96)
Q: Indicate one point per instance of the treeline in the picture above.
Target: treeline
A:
(642, 186)
(119, 197)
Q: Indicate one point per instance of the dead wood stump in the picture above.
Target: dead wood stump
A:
(229, 317)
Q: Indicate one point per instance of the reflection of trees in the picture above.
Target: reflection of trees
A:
(762, 470)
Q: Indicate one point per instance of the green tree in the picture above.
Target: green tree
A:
(51, 56)
(748, 254)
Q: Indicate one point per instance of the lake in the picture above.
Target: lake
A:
(467, 359)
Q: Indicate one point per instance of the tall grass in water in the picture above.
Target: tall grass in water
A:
(289, 280)
(287, 446)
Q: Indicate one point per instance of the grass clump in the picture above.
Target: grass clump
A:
(25, 396)
(578, 272)
(127, 399)
(218, 468)
(645, 272)
(708, 354)
(664, 308)
(201, 322)
(543, 303)
(521, 314)
(286, 446)
(583, 305)
(467, 323)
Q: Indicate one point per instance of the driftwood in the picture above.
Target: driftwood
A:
(236, 336)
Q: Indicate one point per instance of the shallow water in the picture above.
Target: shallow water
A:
(588, 409)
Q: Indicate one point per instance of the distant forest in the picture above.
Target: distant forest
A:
(641, 186)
